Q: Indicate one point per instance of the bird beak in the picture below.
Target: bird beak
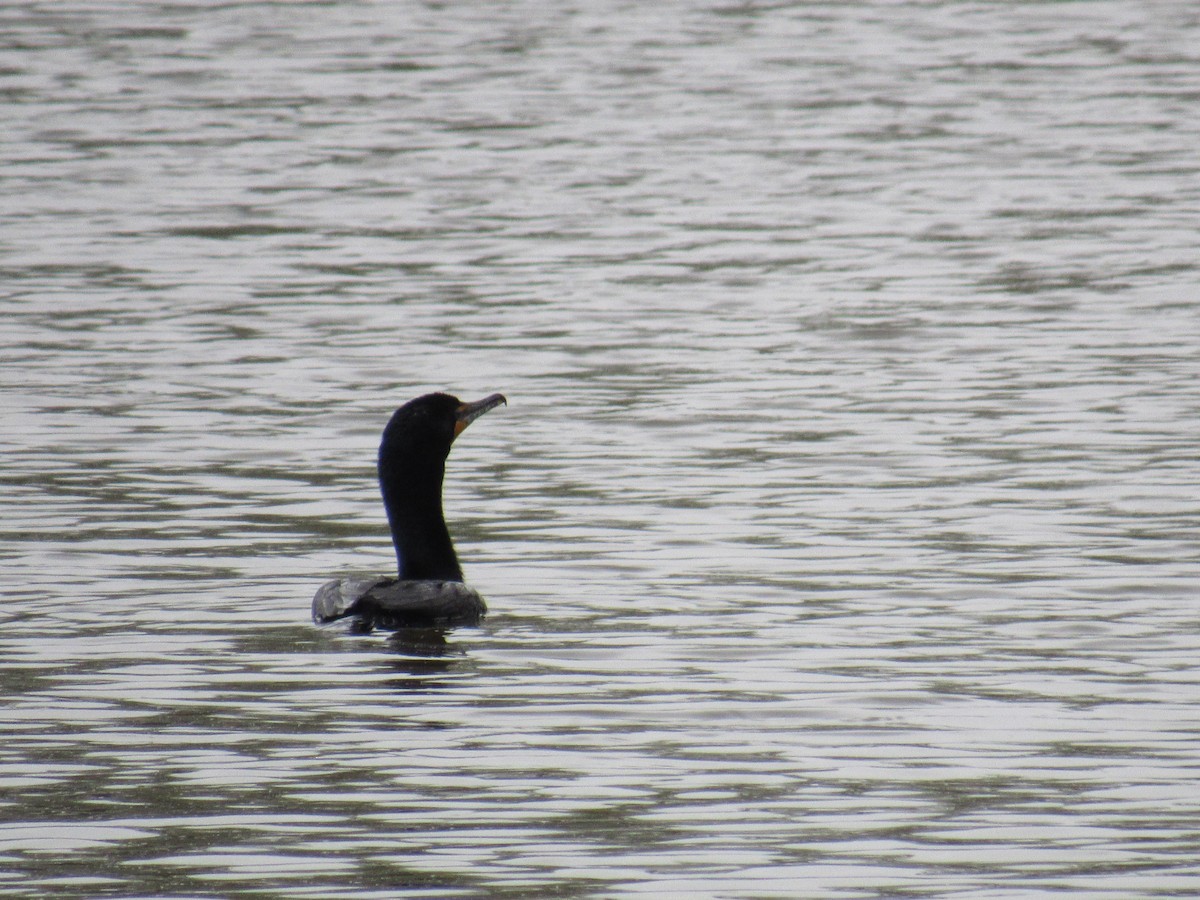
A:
(469, 412)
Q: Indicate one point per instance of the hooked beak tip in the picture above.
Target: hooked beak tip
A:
(469, 412)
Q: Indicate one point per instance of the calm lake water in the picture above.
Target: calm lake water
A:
(841, 534)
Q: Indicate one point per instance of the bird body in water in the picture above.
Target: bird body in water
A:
(429, 591)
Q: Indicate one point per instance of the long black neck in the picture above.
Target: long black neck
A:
(412, 494)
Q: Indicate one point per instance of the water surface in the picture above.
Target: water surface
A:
(840, 535)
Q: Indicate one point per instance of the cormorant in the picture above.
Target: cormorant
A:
(412, 463)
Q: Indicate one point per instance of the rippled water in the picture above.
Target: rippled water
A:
(840, 535)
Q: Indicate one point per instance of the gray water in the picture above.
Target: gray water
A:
(840, 535)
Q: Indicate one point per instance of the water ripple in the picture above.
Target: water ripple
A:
(841, 529)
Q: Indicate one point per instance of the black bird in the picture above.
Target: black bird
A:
(412, 463)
